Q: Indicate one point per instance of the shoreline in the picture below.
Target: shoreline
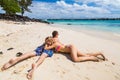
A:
(26, 37)
(112, 36)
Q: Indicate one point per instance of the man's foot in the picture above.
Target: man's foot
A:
(8, 64)
(2, 69)
(30, 73)
(5, 66)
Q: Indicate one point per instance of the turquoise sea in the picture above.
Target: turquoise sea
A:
(103, 26)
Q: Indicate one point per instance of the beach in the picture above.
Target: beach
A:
(25, 37)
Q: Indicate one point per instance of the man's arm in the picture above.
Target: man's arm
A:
(49, 47)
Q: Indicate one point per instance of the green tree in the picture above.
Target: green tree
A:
(24, 4)
(10, 6)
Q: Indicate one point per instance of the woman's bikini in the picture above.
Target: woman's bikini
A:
(60, 49)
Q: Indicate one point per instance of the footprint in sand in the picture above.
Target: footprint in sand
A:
(10, 48)
(1, 52)
(20, 69)
(113, 63)
(116, 77)
(87, 78)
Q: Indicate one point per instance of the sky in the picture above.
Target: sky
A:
(74, 9)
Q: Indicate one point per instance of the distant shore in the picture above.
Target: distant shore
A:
(89, 19)
(19, 18)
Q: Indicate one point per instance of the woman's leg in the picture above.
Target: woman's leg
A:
(15, 60)
(76, 58)
(78, 52)
(35, 65)
(97, 54)
(81, 54)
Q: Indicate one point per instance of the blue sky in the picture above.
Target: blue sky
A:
(45, 9)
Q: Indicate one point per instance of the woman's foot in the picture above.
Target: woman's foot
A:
(94, 59)
(30, 73)
(103, 57)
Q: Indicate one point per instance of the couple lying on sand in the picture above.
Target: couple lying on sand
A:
(52, 44)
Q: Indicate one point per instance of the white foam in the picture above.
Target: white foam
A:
(116, 34)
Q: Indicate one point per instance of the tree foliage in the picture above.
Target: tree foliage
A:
(15, 6)
(10, 6)
(24, 5)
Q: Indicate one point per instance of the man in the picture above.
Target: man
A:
(55, 36)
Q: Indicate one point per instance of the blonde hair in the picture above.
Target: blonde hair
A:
(49, 39)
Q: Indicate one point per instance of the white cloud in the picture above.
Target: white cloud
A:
(61, 9)
(115, 3)
(63, 4)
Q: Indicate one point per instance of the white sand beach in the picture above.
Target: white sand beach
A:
(26, 37)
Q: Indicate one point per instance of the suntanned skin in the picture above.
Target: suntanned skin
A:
(35, 65)
(75, 54)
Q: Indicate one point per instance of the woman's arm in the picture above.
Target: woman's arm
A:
(49, 47)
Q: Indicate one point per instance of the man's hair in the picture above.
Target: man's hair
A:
(54, 33)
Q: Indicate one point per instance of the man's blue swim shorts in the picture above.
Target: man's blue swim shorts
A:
(39, 50)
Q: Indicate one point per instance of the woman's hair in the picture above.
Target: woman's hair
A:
(54, 33)
(49, 39)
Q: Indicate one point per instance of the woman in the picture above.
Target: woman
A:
(76, 55)
(39, 51)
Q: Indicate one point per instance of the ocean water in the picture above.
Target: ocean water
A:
(111, 27)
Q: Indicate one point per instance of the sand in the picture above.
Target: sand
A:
(25, 37)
